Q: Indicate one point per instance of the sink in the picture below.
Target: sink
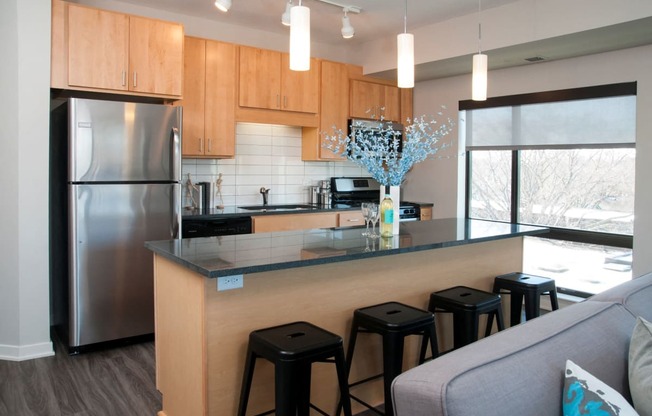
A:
(283, 207)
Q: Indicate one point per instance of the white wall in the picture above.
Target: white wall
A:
(24, 82)
(269, 156)
(511, 24)
(443, 181)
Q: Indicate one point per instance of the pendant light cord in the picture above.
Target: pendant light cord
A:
(405, 19)
(479, 26)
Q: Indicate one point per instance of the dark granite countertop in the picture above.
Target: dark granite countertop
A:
(234, 211)
(251, 253)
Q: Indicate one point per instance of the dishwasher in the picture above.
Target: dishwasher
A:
(211, 227)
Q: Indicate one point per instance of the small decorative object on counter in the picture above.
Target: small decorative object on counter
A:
(218, 192)
(387, 215)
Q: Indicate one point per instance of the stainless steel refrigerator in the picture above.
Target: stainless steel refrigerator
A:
(123, 188)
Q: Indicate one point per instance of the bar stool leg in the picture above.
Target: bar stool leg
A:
(303, 389)
(553, 300)
(392, 366)
(285, 389)
(349, 359)
(532, 307)
(342, 378)
(248, 376)
(465, 329)
(429, 335)
(516, 302)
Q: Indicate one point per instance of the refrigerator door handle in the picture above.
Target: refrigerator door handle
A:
(175, 224)
(175, 157)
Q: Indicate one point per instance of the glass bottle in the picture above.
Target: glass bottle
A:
(387, 215)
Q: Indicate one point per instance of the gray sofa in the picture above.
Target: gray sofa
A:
(520, 371)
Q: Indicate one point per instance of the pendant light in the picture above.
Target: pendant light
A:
(479, 77)
(405, 56)
(300, 38)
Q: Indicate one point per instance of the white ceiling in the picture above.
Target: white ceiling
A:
(378, 18)
(383, 18)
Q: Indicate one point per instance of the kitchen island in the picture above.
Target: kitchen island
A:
(320, 276)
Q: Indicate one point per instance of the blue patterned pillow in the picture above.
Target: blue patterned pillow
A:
(586, 395)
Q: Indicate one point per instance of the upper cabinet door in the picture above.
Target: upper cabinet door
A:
(194, 97)
(373, 101)
(300, 89)
(220, 99)
(260, 78)
(155, 56)
(98, 47)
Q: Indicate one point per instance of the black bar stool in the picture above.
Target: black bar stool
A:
(518, 285)
(293, 348)
(393, 321)
(467, 304)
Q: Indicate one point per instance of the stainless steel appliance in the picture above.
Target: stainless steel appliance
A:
(121, 164)
(353, 191)
(375, 128)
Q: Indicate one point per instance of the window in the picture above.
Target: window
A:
(564, 160)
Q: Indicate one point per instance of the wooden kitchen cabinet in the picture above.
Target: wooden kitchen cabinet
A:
(350, 219)
(334, 110)
(267, 82)
(99, 50)
(372, 100)
(291, 222)
(425, 213)
(209, 98)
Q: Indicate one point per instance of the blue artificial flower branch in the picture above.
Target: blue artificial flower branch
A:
(379, 151)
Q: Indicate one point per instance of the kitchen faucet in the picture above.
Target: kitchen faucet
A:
(265, 193)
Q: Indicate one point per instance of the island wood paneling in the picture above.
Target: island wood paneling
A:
(325, 295)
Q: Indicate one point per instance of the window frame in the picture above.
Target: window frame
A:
(564, 234)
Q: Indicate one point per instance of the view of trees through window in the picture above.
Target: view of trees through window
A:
(586, 189)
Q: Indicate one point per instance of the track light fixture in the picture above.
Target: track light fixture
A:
(285, 17)
(347, 30)
(223, 5)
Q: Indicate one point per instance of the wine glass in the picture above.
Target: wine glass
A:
(374, 216)
(365, 213)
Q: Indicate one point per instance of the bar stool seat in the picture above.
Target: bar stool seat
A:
(467, 304)
(519, 285)
(393, 321)
(293, 348)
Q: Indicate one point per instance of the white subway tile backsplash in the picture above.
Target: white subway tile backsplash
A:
(269, 156)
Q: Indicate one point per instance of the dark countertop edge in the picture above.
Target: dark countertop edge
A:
(254, 213)
(334, 259)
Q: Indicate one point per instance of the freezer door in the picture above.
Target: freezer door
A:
(111, 273)
(116, 142)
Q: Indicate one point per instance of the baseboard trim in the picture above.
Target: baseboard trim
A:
(26, 352)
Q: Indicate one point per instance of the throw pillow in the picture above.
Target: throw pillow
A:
(640, 367)
(586, 395)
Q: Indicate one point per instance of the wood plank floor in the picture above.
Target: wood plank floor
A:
(113, 382)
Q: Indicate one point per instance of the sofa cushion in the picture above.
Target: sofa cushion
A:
(635, 295)
(521, 370)
(585, 394)
(640, 367)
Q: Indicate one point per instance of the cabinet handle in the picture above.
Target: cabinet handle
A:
(285, 101)
(135, 79)
(278, 100)
(210, 145)
(124, 78)
(354, 220)
(201, 145)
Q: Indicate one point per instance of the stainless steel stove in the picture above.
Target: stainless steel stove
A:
(353, 191)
